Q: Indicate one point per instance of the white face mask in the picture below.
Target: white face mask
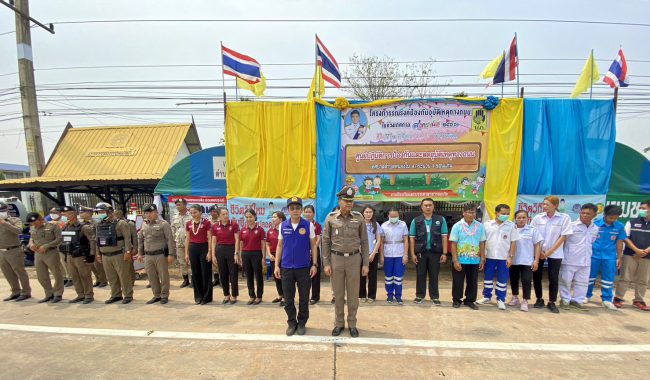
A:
(4, 215)
(394, 220)
(55, 216)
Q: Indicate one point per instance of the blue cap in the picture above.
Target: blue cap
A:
(294, 201)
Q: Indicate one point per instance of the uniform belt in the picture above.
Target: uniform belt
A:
(344, 254)
(112, 253)
(154, 253)
(8, 248)
(394, 242)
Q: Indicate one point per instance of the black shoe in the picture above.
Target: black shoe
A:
(282, 303)
(76, 300)
(11, 298)
(205, 302)
(471, 305)
(113, 300)
(57, 299)
(313, 302)
(127, 300)
(46, 299)
(456, 304)
(333, 300)
(96, 284)
(23, 297)
(186, 282)
(153, 300)
(164, 301)
(291, 330)
(197, 302)
(436, 302)
(88, 300)
(215, 283)
(551, 306)
(539, 303)
(337, 331)
(354, 332)
(148, 286)
(67, 283)
(301, 330)
(276, 300)
(103, 285)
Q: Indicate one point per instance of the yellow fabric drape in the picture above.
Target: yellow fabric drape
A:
(271, 149)
(504, 154)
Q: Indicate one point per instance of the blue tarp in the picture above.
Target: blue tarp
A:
(195, 175)
(568, 146)
(328, 159)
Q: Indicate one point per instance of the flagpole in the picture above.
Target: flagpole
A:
(517, 56)
(591, 75)
(504, 72)
(223, 84)
(317, 84)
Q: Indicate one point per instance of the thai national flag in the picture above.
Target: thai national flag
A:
(240, 66)
(507, 70)
(617, 74)
(330, 67)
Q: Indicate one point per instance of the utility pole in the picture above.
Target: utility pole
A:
(33, 140)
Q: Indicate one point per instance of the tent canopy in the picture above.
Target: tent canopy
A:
(201, 174)
(630, 172)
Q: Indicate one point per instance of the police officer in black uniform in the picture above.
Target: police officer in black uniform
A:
(79, 246)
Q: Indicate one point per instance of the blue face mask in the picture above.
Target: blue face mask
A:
(394, 220)
(64, 219)
(504, 218)
(643, 213)
(99, 217)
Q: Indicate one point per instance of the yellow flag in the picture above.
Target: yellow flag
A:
(317, 82)
(587, 78)
(491, 68)
(257, 88)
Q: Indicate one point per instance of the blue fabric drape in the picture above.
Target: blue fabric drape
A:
(568, 146)
(328, 159)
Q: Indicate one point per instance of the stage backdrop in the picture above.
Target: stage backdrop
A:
(411, 150)
(264, 207)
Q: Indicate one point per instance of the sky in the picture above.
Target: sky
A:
(72, 88)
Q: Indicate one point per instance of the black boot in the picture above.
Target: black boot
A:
(191, 285)
(215, 281)
(186, 281)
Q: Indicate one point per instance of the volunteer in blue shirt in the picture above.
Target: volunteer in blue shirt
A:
(295, 254)
(607, 254)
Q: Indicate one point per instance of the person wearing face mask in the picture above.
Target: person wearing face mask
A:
(526, 261)
(635, 267)
(501, 245)
(86, 218)
(114, 252)
(394, 256)
(79, 245)
(55, 217)
(11, 256)
(44, 241)
(554, 227)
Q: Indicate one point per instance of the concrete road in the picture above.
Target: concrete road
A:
(183, 341)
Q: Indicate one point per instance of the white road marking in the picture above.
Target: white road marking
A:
(426, 344)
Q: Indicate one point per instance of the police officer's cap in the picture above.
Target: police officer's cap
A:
(294, 201)
(3, 206)
(346, 193)
(32, 217)
(149, 207)
(180, 200)
(67, 209)
(103, 206)
(85, 209)
(213, 208)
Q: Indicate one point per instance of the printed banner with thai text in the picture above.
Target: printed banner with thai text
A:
(264, 208)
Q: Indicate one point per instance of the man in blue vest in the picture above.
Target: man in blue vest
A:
(295, 254)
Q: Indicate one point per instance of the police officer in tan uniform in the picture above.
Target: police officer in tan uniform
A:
(156, 243)
(119, 215)
(86, 218)
(56, 218)
(114, 252)
(178, 230)
(345, 249)
(79, 245)
(12, 260)
(44, 241)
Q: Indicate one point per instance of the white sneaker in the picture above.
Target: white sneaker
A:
(609, 306)
(501, 305)
(483, 301)
(586, 301)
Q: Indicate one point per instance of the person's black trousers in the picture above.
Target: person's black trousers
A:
(228, 270)
(428, 264)
(201, 272)
(291, 278)
(315, 281)
(553, 278)
(525, 273)
(369, 290)
(467, 278)
(278, 282)
(252, 261)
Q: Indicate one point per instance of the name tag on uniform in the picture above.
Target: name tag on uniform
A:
(102, 241)
(428, 228)
(67, 236)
